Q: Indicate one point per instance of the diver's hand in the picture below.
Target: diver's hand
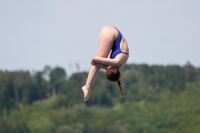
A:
(93, 62)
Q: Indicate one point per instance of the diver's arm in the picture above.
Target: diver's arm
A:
(103, 66)
(107, 61)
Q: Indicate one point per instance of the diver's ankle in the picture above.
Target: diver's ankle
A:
(87, 85)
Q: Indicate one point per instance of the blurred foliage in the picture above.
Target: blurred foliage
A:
(159, 99)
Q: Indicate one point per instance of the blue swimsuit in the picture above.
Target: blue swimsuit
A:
(116, 46)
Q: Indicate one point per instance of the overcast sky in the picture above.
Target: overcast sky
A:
(35, 33)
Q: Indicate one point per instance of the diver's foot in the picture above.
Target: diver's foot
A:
(86, 90)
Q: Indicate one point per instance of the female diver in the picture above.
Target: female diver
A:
(110, 40)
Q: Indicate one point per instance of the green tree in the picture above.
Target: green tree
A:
(57, 78)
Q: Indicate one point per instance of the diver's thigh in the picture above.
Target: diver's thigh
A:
(103, 50)
(105, 46)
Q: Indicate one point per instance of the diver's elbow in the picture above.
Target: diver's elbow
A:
(118, 64)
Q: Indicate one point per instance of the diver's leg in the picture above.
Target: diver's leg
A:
(105, 45)
(90, 80)
(106, 40)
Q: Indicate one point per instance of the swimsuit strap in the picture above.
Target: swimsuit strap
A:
(116, 46)
(125, 53)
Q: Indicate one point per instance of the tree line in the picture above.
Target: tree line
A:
(158, 99)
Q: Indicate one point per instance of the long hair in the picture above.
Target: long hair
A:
(120, 88)
(115, 78)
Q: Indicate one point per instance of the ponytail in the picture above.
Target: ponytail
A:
(120, 88)
(115, 77)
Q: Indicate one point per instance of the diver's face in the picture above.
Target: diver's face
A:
(111, 69)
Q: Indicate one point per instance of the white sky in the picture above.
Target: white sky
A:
(62, 32)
